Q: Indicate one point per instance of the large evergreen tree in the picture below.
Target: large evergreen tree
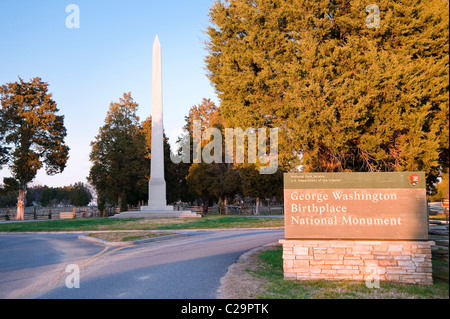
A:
(204, 180)
(346, 97)
(260, 186)
(121, 168)
(79, 195)
(31, 134)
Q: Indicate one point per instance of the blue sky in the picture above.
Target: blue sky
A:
(111, 53)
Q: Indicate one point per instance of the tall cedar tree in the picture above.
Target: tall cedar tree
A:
(32, 134)
(224, 180)
(80, 195)
(346, 97)
(260, 186)
(121, 168)
(205, 180)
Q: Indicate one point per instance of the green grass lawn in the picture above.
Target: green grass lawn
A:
(99, 224)
(270, 270)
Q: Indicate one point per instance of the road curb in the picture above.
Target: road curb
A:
(127, 244)
(228, 229)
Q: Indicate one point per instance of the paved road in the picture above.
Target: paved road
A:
(34, 266)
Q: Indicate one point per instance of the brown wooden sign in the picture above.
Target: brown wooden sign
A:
(370, 206)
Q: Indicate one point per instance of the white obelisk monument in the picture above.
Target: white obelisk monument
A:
(157, 187)
(157, 202)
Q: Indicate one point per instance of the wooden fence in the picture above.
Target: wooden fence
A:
(36, 213)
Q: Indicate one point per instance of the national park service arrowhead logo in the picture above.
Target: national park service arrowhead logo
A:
(414, 179)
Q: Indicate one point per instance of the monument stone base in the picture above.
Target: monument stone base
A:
(158, 212)
(396, 261)
(160, 208)
(174, 214)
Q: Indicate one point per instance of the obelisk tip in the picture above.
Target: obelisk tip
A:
(157, 41)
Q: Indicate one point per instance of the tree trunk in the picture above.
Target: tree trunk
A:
(119, 203)
(123, 203)
(225, 204)
(257, 206)
(220, 206)
(205, 205)
(21, 202)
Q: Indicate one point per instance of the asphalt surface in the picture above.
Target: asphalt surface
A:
(35, 266)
